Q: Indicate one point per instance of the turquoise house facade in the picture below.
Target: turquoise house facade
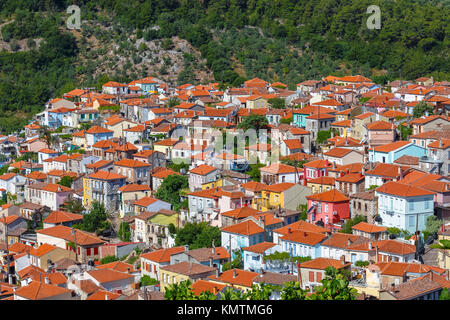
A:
(299, 119)
(391, 152)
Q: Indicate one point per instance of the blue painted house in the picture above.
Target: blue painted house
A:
(388, 153)
(404, 206)
(241, 235)
(299, 115)
(253, 256)
(302, 244)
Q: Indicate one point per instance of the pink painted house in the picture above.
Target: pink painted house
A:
(315, 169)
(328, 209)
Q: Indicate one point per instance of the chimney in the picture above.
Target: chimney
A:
(47, 280)
(234, 273)
(106, 297)
(186, 248)
(129, 270)
(392, 287)
(440, 143)
(349, 242)
(399, 171)
(370, 246)
(343, 259)
(213, 250)
(289, 230)
(217, 273)
(210, 262)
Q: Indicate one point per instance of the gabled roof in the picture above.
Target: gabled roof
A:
(323, 263)
(246, 228)
(63, 232)
(97, 130)
(240, 213)
(108, 275)
(106, 175)
(102, 294)
(309, 238)
(368, 227)
(62, 216)
(134, 188)
(278, 168)
(40, 291)
(253, 186)
(338, 152)
(200, 286)
(402, 190)
(188, 269)
(343, 240)
(302, 226)
(203, 169)
(118, 266)
(381, 125)
(260, 247)
(162, 255)
(236, 277)
(391, 146)
(129, 163)
(145, 201)
(279, 187)
(332, 195)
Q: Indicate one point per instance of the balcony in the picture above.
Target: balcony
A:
(265, 203)
(430, 160)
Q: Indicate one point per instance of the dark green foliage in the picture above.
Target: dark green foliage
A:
(124, 232)
(351, 222)
(95, 220)
(323, 136)
(253, 121)
(169, 190)
(198, 235)
(66, 181)
(361, 263)
(236, 263)
(74, 206)
(421, 108)
(147, 281)
(255, 172)
(445, 295)
(108, 259)
(277, 103)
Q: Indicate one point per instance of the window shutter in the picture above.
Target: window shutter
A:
(311, 276)
(319, 276)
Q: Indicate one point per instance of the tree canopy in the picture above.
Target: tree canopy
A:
(198, 235)
(169, 190)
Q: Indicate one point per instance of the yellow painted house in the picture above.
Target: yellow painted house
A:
(79, 139)
(286, 195)
(87, 192)
(165, 146)
(183, 271)
(444, 254)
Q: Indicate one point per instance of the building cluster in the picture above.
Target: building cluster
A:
(337, 149)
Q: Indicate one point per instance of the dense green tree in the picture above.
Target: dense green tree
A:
(198, 235)
(421, 108)
(124, 232)
(254, 121)
(169, 190)
(66, 181)
(351, 222)
(96, 220)
(445, 295)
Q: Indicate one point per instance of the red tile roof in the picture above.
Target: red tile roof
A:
(323, 263)
(134, 188)
(368, 227)
(63, 232)
(40, 291)
(260, 247)
(162, 255)
(106, 175)
(309, 238)
(203, 169)
(402, 190)
(302, 226)
(236, 277)
(329, 196)
(62, 216)
(246, 228)
(129, 163)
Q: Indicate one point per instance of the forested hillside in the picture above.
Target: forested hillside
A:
(227, 40)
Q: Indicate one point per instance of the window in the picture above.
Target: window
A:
(326, 207)
(427, 204)
(411, 205)
(88, 251)
(311, 276)
(411, 221)
(95, 251)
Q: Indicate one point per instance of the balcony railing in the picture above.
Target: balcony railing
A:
(430, 159)
(265, 203)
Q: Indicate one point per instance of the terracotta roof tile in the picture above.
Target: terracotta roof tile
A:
(402, 190)
(309, 238)
(323, 263)
(162, 255)
(329, 196)
(242, 277)
(246, 228)
(40, 291)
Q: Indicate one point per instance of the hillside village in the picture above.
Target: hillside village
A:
(96, 190)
